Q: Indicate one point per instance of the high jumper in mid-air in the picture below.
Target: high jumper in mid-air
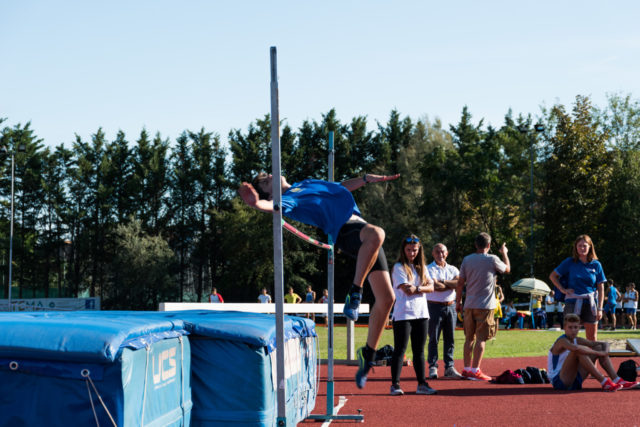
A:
(330, 206)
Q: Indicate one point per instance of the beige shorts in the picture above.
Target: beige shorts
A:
(479, 324)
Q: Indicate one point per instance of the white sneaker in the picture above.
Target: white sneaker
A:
(433, 373)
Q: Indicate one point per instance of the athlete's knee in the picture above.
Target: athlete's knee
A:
(373, 234)
(385, 299)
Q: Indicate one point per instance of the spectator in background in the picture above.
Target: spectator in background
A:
(630, 305)
(478, 273)
(442, 311)
(613, 297)
(559, 297)
(324, 299)
(538, 314)
(264, 297)
(214, 296)
(497, 314)
(511, 315)
(291, 297)
(310, 298)
(550, 307)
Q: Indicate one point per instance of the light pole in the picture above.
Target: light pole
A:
(5, 151)
(67, 251)
(539, 128)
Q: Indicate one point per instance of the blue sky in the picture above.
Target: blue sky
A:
(74, 66)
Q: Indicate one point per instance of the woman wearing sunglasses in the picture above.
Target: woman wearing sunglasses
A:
(411, 283)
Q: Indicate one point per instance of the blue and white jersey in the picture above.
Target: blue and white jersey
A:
(555, 361)
(326, 205)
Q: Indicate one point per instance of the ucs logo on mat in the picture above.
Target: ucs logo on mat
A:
(164, 367)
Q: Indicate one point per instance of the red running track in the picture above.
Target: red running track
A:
(477, 403)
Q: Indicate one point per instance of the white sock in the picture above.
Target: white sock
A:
(617, 379)
(603, 381)
(474, 370)
(467, 368)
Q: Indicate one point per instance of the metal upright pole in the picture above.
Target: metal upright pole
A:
(331, 410)
(539, 128)
(11, 231)
(330, 286)
(531, 205)
(278, 279)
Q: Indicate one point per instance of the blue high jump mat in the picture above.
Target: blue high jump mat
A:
(233, 361)
(94, 368)
(199, 368)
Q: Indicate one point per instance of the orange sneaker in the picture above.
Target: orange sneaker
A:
(477, 376)
(610, 386)
(626, 385)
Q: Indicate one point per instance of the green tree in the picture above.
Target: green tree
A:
(144, 263)
(52, 246)
(94, 194)
(577, 172)
(23, 142)
(621, 223)
(151, 180)
(620, 119)
(251, 153)
(181, 206)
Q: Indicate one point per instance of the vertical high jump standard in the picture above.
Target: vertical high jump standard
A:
(278, 269)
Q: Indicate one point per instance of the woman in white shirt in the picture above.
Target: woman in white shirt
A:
(411, 282)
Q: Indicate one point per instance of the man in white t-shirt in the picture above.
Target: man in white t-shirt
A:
(478, 272)
(550, 307)
(264, 297)
(442, 312)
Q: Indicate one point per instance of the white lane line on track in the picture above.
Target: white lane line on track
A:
(341, 402)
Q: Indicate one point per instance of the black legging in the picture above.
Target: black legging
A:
(418, 329)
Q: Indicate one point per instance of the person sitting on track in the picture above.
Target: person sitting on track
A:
(330, 206)
(572, 358)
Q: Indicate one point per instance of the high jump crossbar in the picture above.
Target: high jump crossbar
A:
(304, 237)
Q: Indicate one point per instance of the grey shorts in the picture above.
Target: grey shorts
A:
(586, 316)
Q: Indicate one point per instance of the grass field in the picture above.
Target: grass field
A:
(511, 343)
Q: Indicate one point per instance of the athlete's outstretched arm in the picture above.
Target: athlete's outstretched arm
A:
(355, 183)
(250, 197)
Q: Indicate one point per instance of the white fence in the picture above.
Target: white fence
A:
(271, 308)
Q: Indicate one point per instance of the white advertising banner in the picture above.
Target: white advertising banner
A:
(51, 304)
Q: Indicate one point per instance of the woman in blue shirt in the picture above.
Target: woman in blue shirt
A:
(583, 284)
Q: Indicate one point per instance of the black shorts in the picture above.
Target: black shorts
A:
(349, 243)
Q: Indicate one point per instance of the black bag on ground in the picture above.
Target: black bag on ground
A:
(628, 370)
(384, 353)
(532, 375)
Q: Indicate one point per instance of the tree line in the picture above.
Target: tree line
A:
(146, 220)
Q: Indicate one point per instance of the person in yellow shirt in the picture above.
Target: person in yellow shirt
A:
(291, 297)
(538, 314)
